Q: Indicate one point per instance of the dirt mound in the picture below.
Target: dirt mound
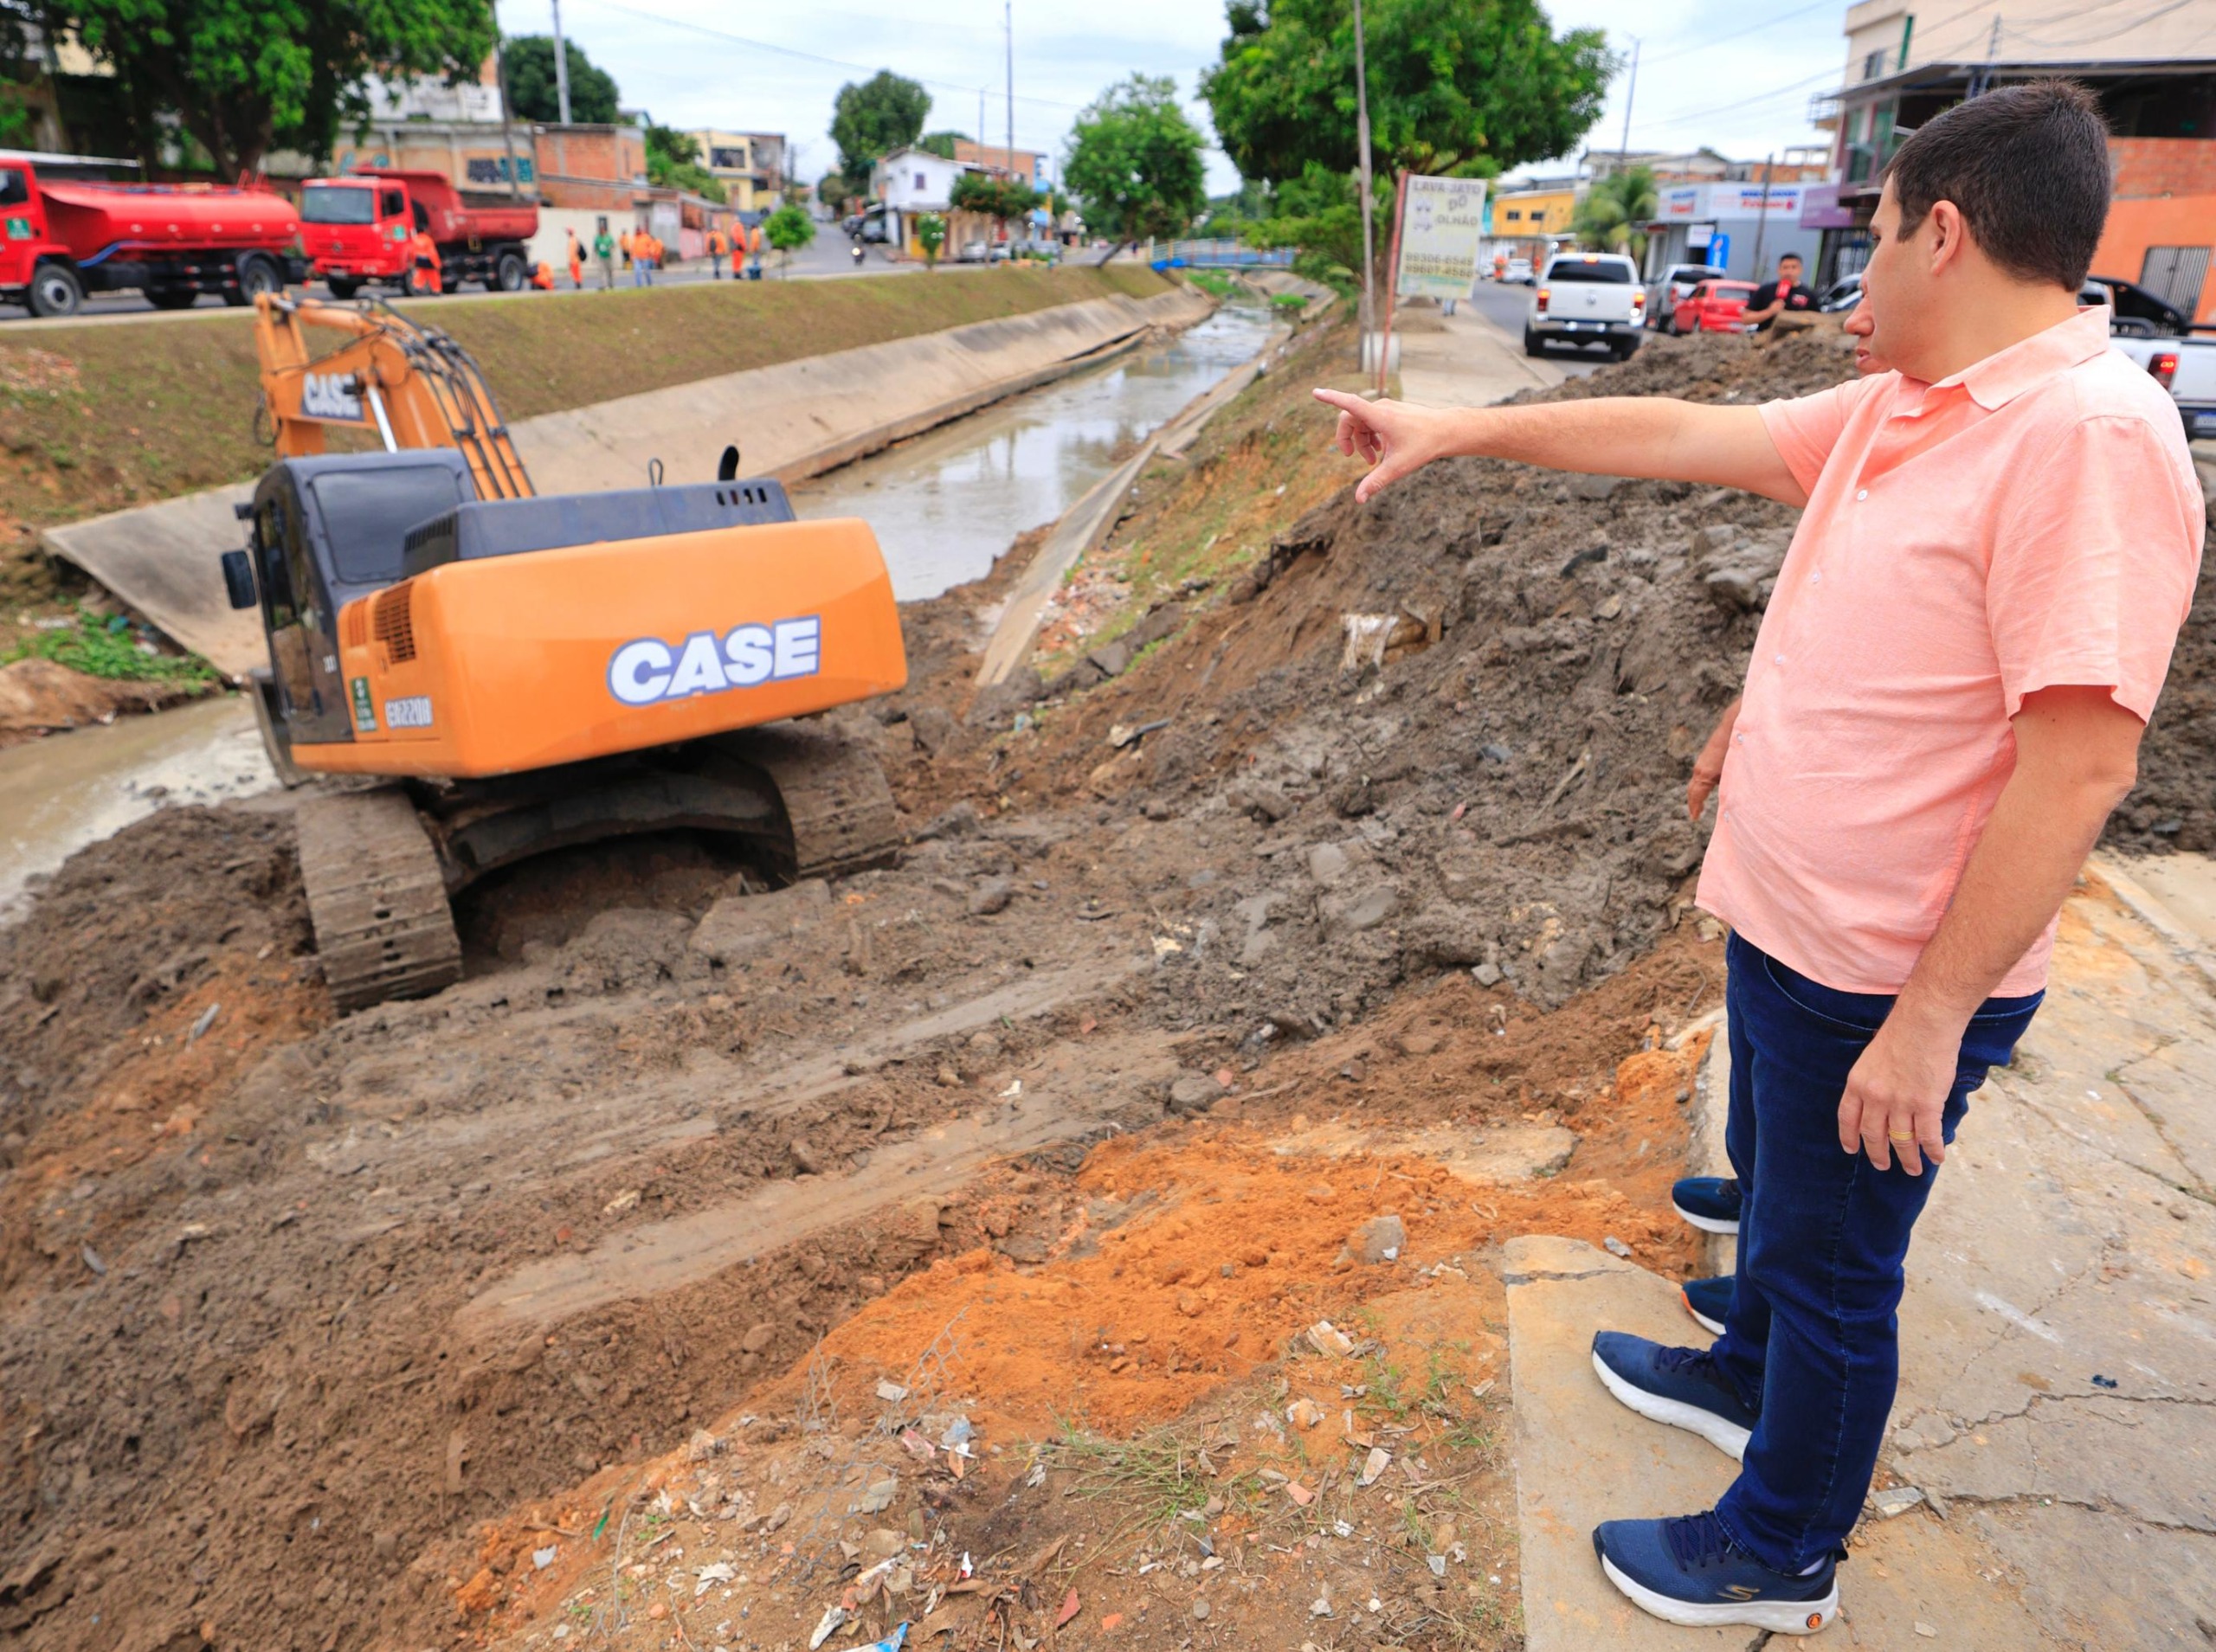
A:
(37, 696)
(1453, 726)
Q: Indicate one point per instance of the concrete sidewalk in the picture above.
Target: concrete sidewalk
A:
(1463, 360)
(2053, 1459)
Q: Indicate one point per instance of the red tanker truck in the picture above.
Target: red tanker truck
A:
(359, 229)
(61, 238)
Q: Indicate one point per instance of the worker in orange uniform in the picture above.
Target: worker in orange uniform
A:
(577, 260)
(542, 276)
(717, 248)
(425, 276)
(624, 244)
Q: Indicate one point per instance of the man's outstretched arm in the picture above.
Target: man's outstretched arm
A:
(1617, 435)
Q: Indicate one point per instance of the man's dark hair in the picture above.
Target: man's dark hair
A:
(2028, 168)
(1796, 257)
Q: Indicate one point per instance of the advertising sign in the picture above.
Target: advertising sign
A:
(1820, 208)
(1443, 224)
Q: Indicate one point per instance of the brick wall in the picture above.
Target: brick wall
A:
(2158, 166)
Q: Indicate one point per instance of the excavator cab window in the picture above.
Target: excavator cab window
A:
(269, 556)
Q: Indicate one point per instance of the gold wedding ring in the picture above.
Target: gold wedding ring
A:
(1895, 1136)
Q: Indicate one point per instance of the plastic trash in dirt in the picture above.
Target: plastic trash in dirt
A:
(1376, 639)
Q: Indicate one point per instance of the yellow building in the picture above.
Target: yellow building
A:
(749, 165)
(1546, 210)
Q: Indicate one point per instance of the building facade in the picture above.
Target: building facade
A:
(2153, 70)
(750, 165)
(1027, 165)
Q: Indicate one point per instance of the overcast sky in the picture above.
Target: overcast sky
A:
(698, 64)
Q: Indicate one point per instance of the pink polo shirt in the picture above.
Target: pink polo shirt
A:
(2033, 522)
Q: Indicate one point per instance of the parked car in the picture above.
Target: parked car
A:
(1671, 288)
(1588, 298)
(1517, 273)
(1713, 306)
(1841, 295)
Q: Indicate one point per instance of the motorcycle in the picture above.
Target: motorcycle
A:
(860, 253)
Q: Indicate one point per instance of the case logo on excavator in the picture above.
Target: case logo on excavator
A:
(330, 395)
(650, 669)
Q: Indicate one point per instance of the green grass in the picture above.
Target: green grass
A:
(103, 646)
(1215, 283)
(1157, 1475)
(98, 417)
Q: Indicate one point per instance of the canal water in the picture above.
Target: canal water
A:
(944, 505)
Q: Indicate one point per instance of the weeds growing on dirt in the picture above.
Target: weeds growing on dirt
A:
(103, 646)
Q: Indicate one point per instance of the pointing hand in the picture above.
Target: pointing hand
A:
(1393, 437)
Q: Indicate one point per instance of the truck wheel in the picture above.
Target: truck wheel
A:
(1532, 346)
(55, 290)
(509, 275)
(257, 275)
(341, 288)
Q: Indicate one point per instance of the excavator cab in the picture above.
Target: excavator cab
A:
(321, 533)
(513, 673)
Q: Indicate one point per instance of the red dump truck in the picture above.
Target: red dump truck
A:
(360, 229)
(61, 237)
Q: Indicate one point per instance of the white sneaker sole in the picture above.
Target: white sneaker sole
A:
(1712, 1327)
(1706, 1223)
(1778, 1617)
(1727, 1437)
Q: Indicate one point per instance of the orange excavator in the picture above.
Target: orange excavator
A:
(526, 673)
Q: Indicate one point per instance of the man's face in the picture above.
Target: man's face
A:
(1893, 319)
(1789, 271)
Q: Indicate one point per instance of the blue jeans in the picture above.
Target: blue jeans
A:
(1811, 1339)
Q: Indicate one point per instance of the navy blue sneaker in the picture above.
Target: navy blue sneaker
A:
(1710, 1203)
(1689, 1571)
(1679, 1386)
(1708, 1300)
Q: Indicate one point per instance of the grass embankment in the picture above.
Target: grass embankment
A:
(99, 417)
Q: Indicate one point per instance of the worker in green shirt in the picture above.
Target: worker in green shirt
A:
(603, 248)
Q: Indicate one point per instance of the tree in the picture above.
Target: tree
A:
(1615, 212)
(941, 143)
(243, 77)
(532, 95)
(1134, 161)
(673, 163)
(997, 198)
(788, 229)
(883, 113)
(1318, 213)
(1456, 87)
(930, 235)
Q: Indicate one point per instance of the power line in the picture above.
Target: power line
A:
(1707, 41)
(812, 57)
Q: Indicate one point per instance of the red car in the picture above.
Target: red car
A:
(1713, 306)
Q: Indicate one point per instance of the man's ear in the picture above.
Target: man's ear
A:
(1950, 234)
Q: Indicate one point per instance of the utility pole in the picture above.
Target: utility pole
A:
(507, 125)
(1631, 92)
(1762, 214)
(561, 67)
(1007, 21)
(1362, 137)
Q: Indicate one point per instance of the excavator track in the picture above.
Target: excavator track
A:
(383, 927)
(837, 804)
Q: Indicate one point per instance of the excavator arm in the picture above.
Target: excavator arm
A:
(411, 384)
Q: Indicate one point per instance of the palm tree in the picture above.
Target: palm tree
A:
(1615, 212)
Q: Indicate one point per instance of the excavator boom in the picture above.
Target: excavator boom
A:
(412, 385)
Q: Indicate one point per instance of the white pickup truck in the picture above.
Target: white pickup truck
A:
(2185, 367)
(1588, 298)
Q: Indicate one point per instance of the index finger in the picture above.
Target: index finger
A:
(1344, 401)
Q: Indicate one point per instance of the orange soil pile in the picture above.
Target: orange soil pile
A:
(1132, 1326)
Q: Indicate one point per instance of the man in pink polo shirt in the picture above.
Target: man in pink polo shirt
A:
(1999, 542)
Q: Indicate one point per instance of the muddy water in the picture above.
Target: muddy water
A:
(61, 793)
(945, 505)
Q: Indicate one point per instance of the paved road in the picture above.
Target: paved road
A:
(1506, 306)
